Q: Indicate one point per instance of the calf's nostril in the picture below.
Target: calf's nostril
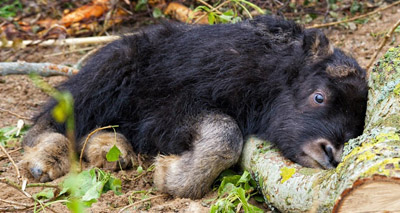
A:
(329, 152)
(36, 172)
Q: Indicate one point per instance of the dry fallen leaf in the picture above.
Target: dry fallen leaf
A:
(95, 9)
(184, 14)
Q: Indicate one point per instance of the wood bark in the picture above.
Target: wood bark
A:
(42, 69)
(367, 179)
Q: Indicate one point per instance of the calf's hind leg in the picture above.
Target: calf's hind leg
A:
(216, 147)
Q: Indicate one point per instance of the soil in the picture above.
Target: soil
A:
(20, 98)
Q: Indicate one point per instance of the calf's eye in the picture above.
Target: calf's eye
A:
(319, 98)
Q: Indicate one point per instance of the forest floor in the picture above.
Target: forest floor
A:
(20, 96)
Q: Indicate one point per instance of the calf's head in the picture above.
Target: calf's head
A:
(322, 108)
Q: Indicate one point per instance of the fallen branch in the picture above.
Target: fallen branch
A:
(68, 41)
(43, 69)
(354, 18)
(383, 43)
(141, 201)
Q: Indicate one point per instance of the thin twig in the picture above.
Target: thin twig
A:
(10, 152)
(384, 41)
(212, 10)
(141, 201)
(78, 65)
(15, 114)
(210, 6)
(12, 161)
(354, 18)
(16, 186)
(42, 185)
(68, 52)
(14, 208)
(15, 203)
(87, 139)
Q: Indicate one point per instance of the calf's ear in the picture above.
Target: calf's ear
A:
(316, 43)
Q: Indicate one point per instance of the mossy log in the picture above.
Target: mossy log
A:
(367, 179)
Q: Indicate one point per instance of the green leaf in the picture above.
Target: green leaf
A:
(141, 5)
(113, 184)
(113, 154)
(211, 18)
(259, 198)
(244, 178)
(76, 206)
(88, 186)
(157, 13)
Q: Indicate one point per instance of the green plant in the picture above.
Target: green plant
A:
(10, 10)
(233, 11)
(79, 190)
(234, 193)
(11, 135)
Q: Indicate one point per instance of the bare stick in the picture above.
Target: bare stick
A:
(15, 114)
(10, 152)
(43, 69)
(87, 139)
(354, 18)
(68, 41)
(12, 161)
(16, 186)
(42, 185)
(141, 201)
(15, 203)
(14, 208)
(384, 41)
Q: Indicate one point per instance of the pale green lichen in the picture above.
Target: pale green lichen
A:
(308, 171)
(396, 89)
(384, 137)
(385, 167)
(287, 173)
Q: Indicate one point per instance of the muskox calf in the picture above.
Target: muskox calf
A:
(191, 94)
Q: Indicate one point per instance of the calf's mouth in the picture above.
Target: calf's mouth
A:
(320, 153)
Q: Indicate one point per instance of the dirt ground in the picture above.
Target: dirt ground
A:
(19, 96)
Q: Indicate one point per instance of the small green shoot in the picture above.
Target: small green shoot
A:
(10, 10)
(232, 12)
(85, 188)
(234, 192)
(10, 136)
